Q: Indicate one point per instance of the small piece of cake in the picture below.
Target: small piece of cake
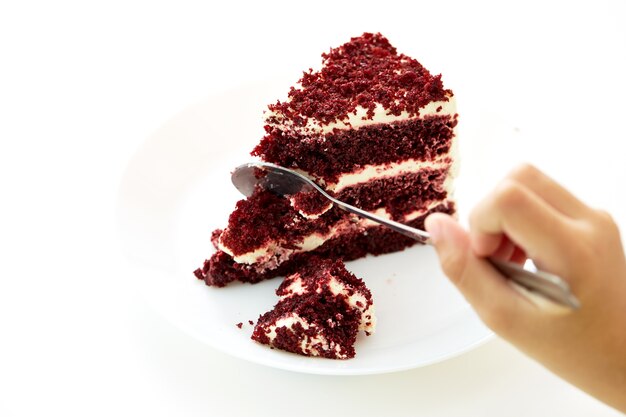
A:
(374, 128)
(320, 310)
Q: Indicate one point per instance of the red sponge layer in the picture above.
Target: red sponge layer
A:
(344, 151)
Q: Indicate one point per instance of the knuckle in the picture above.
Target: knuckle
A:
(524, 172)
(584, 246)
(602, 234)
(604, 221)
(509, 194)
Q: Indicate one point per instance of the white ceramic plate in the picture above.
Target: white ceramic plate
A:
(177, 190)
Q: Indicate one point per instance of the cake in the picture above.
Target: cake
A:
(376, 130)
(321, 309)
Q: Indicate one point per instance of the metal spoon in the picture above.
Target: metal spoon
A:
(284, 181)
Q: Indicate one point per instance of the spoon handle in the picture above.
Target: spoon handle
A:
(543, 283)
(409, 231)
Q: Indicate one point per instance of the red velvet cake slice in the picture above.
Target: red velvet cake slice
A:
(319, 313)
(373, 127)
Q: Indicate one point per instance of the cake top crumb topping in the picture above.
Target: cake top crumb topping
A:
(361, 73)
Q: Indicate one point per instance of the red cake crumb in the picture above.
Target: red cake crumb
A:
(215, 236)
(240, 325)
(310, 203)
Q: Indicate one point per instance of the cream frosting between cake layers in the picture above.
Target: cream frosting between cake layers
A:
(308, 345)
(295, 287)
(357, 301)
(359, 117)
(376, 172)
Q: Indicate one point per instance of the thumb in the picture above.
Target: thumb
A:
(496, 302)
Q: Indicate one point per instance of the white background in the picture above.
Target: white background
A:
(82, 84)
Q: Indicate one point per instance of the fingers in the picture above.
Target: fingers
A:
(528, 221)
(549, 191)
(496, 302)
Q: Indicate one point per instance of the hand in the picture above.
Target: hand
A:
(530, 215)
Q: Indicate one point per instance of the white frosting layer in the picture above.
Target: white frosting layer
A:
(357, 301)
(275, 251)
(308, 345)
(359, 117)
(375, 172)
(411, 216)
(295, 287)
